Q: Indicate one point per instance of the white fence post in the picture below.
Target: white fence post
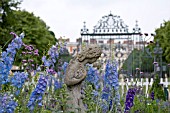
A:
(122, 83)
(142, 82)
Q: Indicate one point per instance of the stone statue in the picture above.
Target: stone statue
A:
(76, 73)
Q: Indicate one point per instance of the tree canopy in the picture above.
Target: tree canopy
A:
(138, 59)
(163, 35)
(36, 31)
(7, 18)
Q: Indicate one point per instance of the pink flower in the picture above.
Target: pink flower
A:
(137, 69)
(24, 61)
(12, 33)
(155, 63)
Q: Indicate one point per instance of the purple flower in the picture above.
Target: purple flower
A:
(137, 69)
(51, 71)
(152, 95)
(29, 47)
(141, 73)
(129, 99)
(36, 52)
(23, 52)
(29, 52)
(30, 60)
(12, 33)
(155, 63)
(24, 61)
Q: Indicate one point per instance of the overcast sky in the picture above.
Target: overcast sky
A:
(66, 17)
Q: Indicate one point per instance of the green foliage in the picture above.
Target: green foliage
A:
(37, 33)
(157, 89)
(0, 50)
(62, 96)
(7, 18)
(163, 35)
(13, 20)
(90, 101)
(138, 59)
(146, 105)
(143, 104)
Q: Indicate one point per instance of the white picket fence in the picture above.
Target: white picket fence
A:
(126, 83)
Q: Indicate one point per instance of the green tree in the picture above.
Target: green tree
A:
(14, 20)
(36, 31)
(138, 59)
(163, 35)
(7, 19)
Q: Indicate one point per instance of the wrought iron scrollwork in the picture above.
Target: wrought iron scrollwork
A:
(111, 24)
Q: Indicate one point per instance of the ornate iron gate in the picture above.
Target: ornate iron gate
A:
(112, 34)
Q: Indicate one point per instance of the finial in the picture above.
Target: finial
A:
(136, 23)
(110, 14)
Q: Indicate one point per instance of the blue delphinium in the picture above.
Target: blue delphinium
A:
(58, 81)
(53, 56)
(111, 81)
(105, 96)
(7, 104)
(37, 94)
(53, 52)
(7, 57)
(46, 62)
(57, 84)
(106, 93)
(62, 47)
(111, 75)
(50, 60)
(64, 66)
(93, 77)
(18, 80)
(129, 99)
(91, 89)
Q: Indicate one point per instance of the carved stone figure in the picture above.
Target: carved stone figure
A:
(76, 73)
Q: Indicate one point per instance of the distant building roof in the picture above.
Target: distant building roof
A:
(72, 43)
